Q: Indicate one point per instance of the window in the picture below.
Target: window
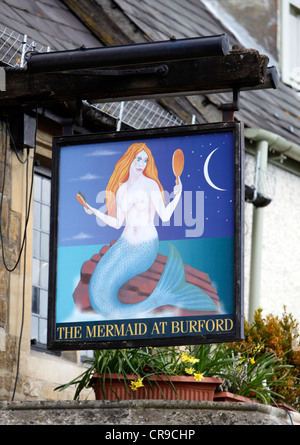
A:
(40, 258)
(290, 38)
(40, 261)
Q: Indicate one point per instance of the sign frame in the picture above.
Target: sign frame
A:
(70, 337)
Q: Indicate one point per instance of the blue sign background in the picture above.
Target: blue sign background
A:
(88, 167)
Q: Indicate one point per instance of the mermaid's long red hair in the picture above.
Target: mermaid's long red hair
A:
(121, 174)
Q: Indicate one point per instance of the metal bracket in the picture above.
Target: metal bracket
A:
(22, 129)
(229, 109)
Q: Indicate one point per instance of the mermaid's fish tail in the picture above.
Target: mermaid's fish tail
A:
(123, 261)
(172, 289)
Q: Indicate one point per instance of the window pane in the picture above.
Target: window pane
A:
(35, 300)
(43, 331)
(36, 244)
(45, 225)
(45, 246)
(46, 191)
(37, 187)
(34, 327)
(44, 274)
(36, 215)
(35, 272)
(43, 303)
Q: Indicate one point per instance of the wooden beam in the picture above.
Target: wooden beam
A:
(242, 69)
(98, 22)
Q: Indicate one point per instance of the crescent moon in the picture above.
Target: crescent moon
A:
(206, 175)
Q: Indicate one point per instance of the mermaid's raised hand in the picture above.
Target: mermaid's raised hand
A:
(178, 187)
(82, 199)
(88, 211)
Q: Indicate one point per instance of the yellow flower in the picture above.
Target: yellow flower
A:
(198, 376)
(187, 359)
(189, 370)
(135, 384)
(252, 361)
(258, 348)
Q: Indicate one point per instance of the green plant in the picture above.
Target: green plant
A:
(256, 375)
(210, 360)
(264, 366)
(277, 335)
(200, 361)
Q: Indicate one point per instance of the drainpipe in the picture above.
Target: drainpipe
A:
(257, 233)
(275, 141)
(265, 140)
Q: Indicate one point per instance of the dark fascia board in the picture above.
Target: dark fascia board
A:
(239, 70)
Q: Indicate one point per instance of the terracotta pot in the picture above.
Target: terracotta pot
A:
(187, 388)
(227, 396)
(284, 406)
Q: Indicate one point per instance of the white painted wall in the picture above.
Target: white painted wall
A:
(280, 279)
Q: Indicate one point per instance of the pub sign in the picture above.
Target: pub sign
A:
(146, 238)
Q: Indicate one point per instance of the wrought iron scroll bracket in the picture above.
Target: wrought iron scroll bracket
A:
(229, 108)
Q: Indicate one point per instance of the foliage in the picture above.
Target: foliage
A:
(264, 366)
(256, 375)
(206, 360)
(278, 336)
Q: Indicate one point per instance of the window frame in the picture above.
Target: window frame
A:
(35, 343)
(285, 39)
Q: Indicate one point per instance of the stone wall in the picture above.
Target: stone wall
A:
(143, 412)
(36, 373)
(10, 232)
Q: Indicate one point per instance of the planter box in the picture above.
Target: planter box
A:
(187, 388)
(284, 406)
(230, 397)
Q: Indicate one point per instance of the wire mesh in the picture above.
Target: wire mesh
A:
(140, 114)
(136, 114)
(15, 46)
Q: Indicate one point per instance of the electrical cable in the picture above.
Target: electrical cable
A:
(14, 145)
(289, 415)
(11, 269)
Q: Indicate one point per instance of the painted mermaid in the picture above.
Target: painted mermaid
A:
(134, 195)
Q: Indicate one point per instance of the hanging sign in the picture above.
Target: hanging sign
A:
(146, 238)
